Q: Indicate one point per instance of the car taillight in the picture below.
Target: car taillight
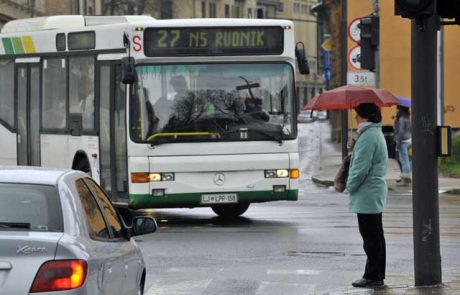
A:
(58, 275)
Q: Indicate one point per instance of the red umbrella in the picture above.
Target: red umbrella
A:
(350, 96)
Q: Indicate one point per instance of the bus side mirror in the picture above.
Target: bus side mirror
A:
(128, 70)
(301, 58)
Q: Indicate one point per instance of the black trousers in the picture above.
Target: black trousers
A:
(371, 229)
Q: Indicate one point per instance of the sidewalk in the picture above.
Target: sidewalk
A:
(328, 163)
(324, 169)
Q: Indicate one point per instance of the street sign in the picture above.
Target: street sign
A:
(361, 78)
(327, 60)
(327, 75)
(354, 30)
(327, 45)
(354, 57)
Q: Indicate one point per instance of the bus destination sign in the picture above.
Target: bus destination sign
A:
(213, 41)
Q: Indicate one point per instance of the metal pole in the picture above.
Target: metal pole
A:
(375, 5)
(344, 69)
(427, 259)
(441, 76)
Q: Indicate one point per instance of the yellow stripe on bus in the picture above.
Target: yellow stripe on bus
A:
(28, 44)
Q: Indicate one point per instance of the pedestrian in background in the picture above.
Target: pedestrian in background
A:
(368, 190)
(402, 138)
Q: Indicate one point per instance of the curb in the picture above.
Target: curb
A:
(454, 191)
(322, 182)
(328, 183)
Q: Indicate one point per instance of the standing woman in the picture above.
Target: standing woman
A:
(402, 138)
(368, 190)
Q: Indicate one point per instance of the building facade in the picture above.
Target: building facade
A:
(16, 9)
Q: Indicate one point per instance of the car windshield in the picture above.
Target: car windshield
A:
(213, 102)
(29, 207)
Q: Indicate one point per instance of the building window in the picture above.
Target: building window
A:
(166, 10)
(227, 10)
(249, 13)
(203, 9)
(296, 7)
(260, 13)
(212, 9)
(280, 6)
(236, 11)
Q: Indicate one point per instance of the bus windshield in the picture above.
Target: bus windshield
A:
(213, 102)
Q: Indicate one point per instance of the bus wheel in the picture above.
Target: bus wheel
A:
(230, 211)
(83, 165)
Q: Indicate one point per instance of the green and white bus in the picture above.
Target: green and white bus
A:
(162, 113)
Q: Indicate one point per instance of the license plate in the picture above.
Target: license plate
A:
(219, 198)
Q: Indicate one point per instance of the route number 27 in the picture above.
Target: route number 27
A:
(168, 38)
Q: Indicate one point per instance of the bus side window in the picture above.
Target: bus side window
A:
(7, 93)
(54, 104)
(81, 86)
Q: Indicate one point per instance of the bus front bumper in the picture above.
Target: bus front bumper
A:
(191, 200)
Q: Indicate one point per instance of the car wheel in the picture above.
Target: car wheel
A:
(83, 165)
(230, 211)
(140, 291)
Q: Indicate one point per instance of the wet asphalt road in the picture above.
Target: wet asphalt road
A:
(311, 246)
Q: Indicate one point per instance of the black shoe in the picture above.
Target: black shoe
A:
(365, 283)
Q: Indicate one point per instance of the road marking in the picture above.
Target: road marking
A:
(179, 288)
(346, 291)
(275, 288)
(302, 272)
(194, 269)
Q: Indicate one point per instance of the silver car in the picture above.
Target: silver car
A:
(60, 232)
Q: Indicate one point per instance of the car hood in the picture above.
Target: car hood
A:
(21, 255)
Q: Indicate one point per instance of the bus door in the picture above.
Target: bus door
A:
(112, 131)
(28, 113)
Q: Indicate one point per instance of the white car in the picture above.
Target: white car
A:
(60, 232)
(306, 116)
(321, 115)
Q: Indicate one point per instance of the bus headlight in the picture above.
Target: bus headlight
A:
(167, 176)
(144, 177)
(282, 173)
(277, 173)
(155, 176)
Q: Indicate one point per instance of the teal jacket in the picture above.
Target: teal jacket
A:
(366, 181)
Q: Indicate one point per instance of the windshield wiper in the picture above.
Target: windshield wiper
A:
(269, 135)
(25, 225)
(176, 135)
(263, 132)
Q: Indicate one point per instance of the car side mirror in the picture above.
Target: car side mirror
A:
(143, 225)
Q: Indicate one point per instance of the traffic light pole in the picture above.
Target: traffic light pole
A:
(427, 259)
(344, 69)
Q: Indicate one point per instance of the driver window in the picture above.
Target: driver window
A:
(109, 211)
(97, 228)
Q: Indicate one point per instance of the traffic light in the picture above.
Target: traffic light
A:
(415, 8)
(449, 9)
(369, 35)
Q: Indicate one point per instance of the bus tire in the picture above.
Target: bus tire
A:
(83, 165)
(230, 210)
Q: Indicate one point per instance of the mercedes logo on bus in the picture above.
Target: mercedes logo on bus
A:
(219, 178)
